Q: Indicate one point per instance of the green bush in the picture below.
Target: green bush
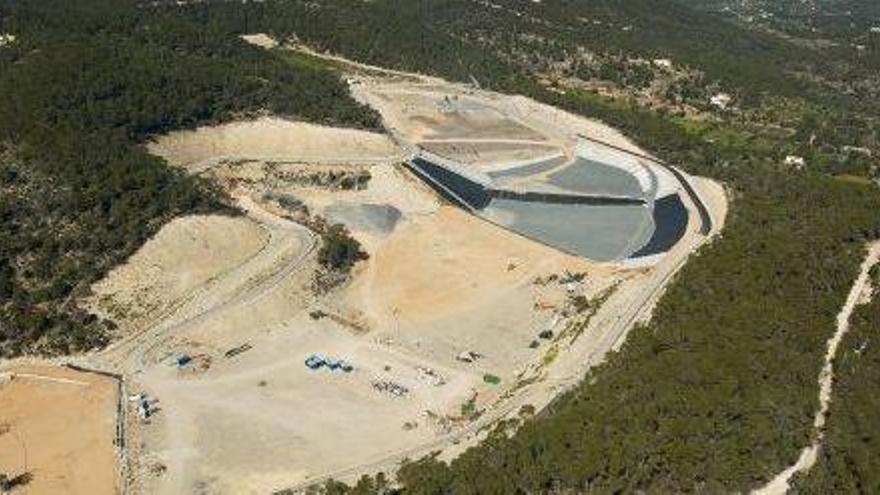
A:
(339, 250)
(491, 379)
(86, 82)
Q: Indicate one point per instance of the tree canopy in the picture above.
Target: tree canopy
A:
(83, 85)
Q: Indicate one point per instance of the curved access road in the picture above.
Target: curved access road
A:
(244, 285)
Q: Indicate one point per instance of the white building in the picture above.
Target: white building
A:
(721, 100)
(795, 161)
(663, 63)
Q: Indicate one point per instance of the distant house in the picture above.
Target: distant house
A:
(663, 63)
(858, 149)
(795, 161)
(721, 100)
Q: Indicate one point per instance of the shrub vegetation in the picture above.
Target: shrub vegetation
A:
(715, 395)
(339, 250)
(84, 83)
(848, 460)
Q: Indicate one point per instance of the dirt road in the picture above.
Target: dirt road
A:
(780, 483)
(292, 243)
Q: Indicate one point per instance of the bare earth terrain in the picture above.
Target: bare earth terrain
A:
(185, 254)
(452, 324)
(271, 139)
(61, 425)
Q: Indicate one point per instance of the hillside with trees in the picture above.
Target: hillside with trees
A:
(848, 460)
(816, 94)
(715, 394)
(84, 83)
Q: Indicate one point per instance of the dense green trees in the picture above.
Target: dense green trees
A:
(82, 85)
(848, 459)
(829, 95)
(339, 250)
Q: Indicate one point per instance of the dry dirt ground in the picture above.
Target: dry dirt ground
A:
(447, 310)
(489, 155)
(185, 254)
(271, 139)
(261, 420)
(481, 128)
(61, 424)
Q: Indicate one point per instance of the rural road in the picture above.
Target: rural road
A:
(132, 353)
(809, 454)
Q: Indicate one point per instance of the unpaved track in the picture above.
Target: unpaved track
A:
(617, 323)
(133, 352)
(467, 140)
(249, 295)
(244, 285)
(780, 484)
(288, 250)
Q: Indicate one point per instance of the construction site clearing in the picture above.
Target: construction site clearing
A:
(58, 431)
(511, 246)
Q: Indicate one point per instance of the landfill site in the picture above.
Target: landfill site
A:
(510, 247)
